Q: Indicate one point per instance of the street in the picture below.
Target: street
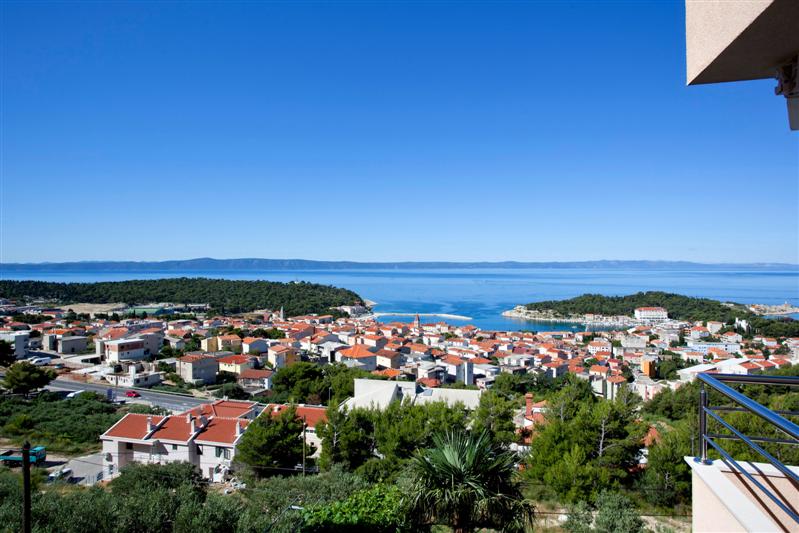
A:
(172, 402)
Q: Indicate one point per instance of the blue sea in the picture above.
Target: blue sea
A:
(482, 294)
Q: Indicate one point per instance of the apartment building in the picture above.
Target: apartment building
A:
(205, 437)
(651, 314)
(125, 350)
(197, 368)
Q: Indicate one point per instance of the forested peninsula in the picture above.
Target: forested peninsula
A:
(679, 307)
(232, 296)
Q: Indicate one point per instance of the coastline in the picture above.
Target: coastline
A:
(440, 315)
(523, 313)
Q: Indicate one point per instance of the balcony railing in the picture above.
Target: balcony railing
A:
(789, 430)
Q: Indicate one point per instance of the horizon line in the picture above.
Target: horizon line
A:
(397, 262)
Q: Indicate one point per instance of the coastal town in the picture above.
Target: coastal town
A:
(180, 349)
(468, 299)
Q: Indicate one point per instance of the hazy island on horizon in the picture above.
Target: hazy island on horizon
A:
(255, 264)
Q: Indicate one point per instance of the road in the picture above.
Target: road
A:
(172, 402)
(86, 470)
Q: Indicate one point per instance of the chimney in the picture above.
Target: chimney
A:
(528, 403)
(238, 428)
(190, 421)
(150, 425)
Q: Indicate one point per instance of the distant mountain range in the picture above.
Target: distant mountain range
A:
(206, 264)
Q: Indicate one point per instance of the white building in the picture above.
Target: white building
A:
(651, 314)
(125, 350)
(205, 437)
(379, 394)
(134, 378)
(19, 341)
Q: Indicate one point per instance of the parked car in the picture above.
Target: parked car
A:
(132, 394)
(65, 474)
(75, 394)
(40, 361)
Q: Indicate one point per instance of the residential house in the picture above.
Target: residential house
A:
(203, 437)
(125, 350)
(359, 356)
(255, 379)
(236, 363)
(459, 370)
(254, 345)
(280, 356)
(197, 368)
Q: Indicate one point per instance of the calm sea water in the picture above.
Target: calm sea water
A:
(483, 294)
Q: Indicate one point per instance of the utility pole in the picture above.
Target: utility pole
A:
(303, 446)
(26, 487)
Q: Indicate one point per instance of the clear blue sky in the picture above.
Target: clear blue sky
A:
(382, 131)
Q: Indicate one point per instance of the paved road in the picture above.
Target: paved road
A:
(171, 402)
(86, 470)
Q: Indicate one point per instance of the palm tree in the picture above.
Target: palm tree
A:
(468, 481)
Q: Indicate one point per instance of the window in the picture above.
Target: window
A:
(128, 445)
(174, 447)
(223, 452)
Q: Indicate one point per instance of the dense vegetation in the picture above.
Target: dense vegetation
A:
(271, 442)
(24, 377)
(310, 383)
(225, 295)
(378, 445)
(62, 425)
(678, 306)
(174, 498)
(586, 445)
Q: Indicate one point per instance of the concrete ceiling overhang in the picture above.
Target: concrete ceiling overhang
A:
(736, 40)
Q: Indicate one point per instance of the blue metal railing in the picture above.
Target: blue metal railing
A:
(791, 430)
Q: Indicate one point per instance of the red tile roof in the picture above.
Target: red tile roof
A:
(132, 426)
(221, 430)
(225, 408)
(358, 351)
(255, 373)
(234, 360)
(388, 372)
(312, 414)
(452, 360)
(174, 428)
(193, 358)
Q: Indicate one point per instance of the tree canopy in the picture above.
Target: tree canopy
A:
(678, 306)
(24, 377)
(273, 442)
(378, 443)
(7, 356)
(305, 382)
(296, 298)
(585, 445)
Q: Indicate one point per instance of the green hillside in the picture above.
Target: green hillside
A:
(228, 295)
(679, 307)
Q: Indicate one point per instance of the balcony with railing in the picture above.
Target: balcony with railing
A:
(740, 480)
